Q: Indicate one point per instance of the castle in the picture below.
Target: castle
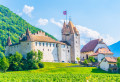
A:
(66, 50)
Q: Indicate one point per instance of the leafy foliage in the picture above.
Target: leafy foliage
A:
(4, 64)
(15, 61)
(33, 59)
(78, 59)
(85, 62)
(118, 62)
(92, 59)
(12, 24)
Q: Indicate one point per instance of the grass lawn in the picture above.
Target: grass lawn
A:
(60, 72)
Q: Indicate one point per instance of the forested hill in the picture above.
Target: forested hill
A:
(12, 24)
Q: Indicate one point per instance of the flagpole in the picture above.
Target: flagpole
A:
(66, 16)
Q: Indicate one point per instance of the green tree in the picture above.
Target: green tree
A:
(16, 61)
(118, 64)
(40, 55)
(4, 64)
(33, 59)
(78, 59)
(2, 54)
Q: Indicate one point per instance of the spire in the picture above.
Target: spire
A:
(27, 31)
(71, 26)
(9, 41)
(64, 27)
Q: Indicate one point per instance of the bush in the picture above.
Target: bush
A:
(110, 70)
(85, 62)
(119, 70)
(41, 65)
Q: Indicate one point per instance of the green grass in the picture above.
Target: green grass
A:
(60, 72)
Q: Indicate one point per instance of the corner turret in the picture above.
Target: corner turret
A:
(9, 41)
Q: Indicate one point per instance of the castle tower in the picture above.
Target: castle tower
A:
(72, 36)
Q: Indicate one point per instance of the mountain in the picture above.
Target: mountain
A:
(115, 48)
(13, 25)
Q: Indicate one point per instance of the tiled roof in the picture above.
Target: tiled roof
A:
(111, 59)
(65, 42)
(69, 28)
(40, 38)
(95, 54)
(90, 46)
(104, 51)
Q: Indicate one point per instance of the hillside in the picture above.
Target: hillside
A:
(115, 48)
(13, 24)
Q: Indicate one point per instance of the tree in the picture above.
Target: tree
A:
(118, 64)
(78, 59)
(4, 64)
(40, 55)
(34, 59)
(15, 62)
(1, 54)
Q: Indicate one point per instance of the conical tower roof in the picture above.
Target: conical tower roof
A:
(71, 26)
(9, 41)
(28, 32)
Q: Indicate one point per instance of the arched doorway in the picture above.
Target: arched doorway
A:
(86, 56)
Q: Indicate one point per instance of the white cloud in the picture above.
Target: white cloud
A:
(42, 22)
(59, 24)
(28, 9)
(87, 34)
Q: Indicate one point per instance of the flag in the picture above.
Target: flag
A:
(64, 12)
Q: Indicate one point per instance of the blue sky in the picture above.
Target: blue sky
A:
(93, 18)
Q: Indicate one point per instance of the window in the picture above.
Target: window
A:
(50, 44)
(56, 45)
(109, 65)
(53, 45)
(43, 49)
(46, 44)
(76, 41)
(39, 44)
(43, 44)
(48, 49)
(68, 51)
(36, 43)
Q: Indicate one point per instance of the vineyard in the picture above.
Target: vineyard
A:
(60, 72)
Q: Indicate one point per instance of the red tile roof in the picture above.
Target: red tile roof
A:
(111, 59)
(104, 51)
(90, 46)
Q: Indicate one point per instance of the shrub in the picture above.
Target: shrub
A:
(41, 65)
(85, 62)
(110, 70)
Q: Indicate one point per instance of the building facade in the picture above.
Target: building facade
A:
(53, 51)
(96, 48)
(109, 63)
